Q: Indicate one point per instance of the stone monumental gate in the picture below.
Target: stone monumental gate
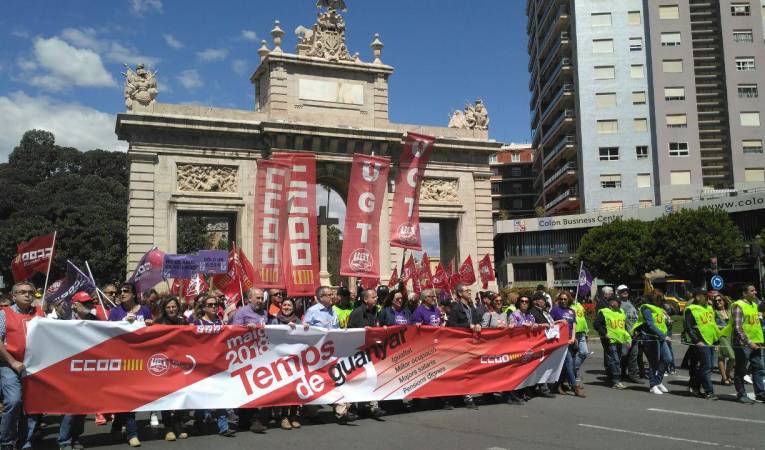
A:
(204, 160)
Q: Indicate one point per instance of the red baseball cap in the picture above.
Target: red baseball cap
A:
(82, 297)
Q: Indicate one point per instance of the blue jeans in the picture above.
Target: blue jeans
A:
(753, 358)
(71, 429)
(568, 370)
(659, 358)
(701, 369)
(221, 418)
(127, 419)
(613, 362)
(582, 351)
(10, 383)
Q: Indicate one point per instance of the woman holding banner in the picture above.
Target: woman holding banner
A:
(170, 314)
(287, 415)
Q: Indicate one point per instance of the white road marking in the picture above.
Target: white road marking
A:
(706, 416)
(661, 436)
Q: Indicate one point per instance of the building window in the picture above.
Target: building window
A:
(750, 119)
(745, 63)
(493, 159)
(517, 203)
(636, 71)
(669, 12)
(672, 66)
(670, 39)
(748, 91)
(680, 177)
(641, 125)
(641, 151)
(674, 93)
(605, 73)
(743, 36)
(611, 206)
(609, 153)
(646, 203)
(740, 9)
(634, 18)
(602, 46)
(644, 180)
(638, 98)
(605, 99)
(678, 149)
(515, 171)
(677, 121)
(610, 181)
(636, 44)
(515, 157)
(607, 126)
(601, 20)
(754, 175)
(752, 145)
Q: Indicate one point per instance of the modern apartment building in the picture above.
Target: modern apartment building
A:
(639, 102)
(512, 182)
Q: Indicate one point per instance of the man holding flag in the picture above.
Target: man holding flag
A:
(13, 325)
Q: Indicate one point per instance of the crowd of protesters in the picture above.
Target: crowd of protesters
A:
(718, 334)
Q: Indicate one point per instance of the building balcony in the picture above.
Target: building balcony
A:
(567, 171)
(567, 90)
(564, 200)
(564, 119)
(567, 143)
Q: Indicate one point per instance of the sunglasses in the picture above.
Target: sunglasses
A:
(211, 305)
(523, 301)
(278, 294)
(126, 291)
(110, 292)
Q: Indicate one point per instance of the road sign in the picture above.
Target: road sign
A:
(717, 282)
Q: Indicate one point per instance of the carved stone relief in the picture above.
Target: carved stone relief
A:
(207, 178)
(439, 190)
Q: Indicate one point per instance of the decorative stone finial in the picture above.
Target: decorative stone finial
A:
(277, 33)
(140, 87)
(263, 51)
(377, 47)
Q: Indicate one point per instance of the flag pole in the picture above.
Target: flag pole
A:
(98, 291)
(47, 273)
(236, 261)
(578, 275)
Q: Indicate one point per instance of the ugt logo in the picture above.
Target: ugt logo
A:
(158, 365)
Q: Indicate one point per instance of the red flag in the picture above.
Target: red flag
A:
(300, 246)
(33, 257)
(486, 271)
(393, 278)
(177, 287)
(467, 274)
(453, 275)
(370, 283)
(440, 278)
(366, 196)
(405, 213)
(194, 287)
(248, 272)
(271, 215)
(424, 277)
(230, 283)
(409, 270)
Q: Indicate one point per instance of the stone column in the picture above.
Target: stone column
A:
(550, 274)
(323, 273)
(510, 273)
(140, 232)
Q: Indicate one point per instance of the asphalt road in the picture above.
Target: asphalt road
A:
(606, 419)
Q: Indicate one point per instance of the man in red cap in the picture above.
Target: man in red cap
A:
(82, 307)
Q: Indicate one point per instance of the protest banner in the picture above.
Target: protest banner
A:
(163, 367)
(405, 212)
(486, 271)
(180, 266)
(213, 262)
(271, 208)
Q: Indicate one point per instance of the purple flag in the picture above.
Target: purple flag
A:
(149, 270)
(584, 287)
(63, 289)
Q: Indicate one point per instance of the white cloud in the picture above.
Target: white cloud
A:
(213, 54)
(139, 7)
(190, 79)
(172, 41)
(20, 33)
(68, 66)
(26, 64)
(249, 35)
(73, 124)
(112, 51)
(239, 66)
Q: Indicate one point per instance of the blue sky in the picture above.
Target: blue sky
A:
(61, 61)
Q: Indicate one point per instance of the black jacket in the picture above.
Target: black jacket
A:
(388, 318)
(461, 316)
(362, 317)
(539, 316)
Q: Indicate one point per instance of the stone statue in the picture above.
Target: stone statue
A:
(439, 190)
(140, 87)
(332, 4)
(326, 39)
(474, 117)
(204, 178)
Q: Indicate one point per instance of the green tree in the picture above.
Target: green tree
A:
(617, 251)
(192, 234)
(83, 196)
(683, 242)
